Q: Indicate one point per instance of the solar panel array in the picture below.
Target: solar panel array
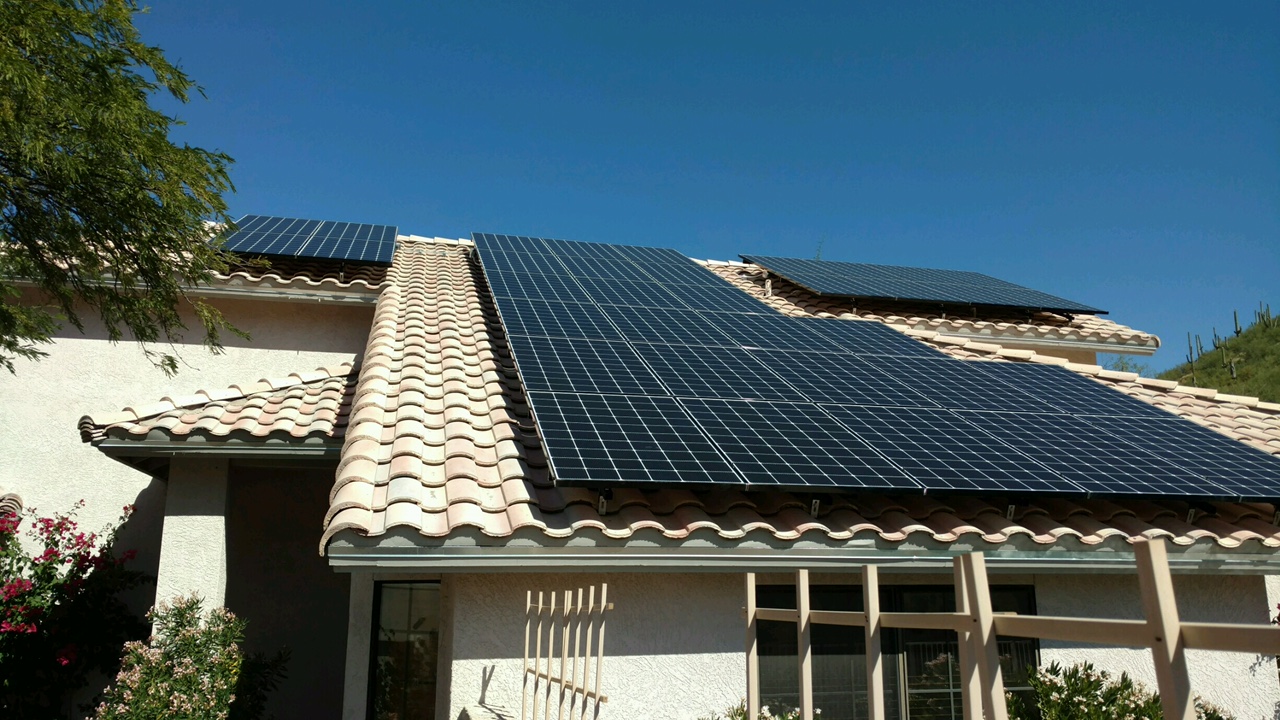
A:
(294, 237)
(892, 282)
(644, 367)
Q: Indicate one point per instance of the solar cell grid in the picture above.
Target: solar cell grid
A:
(943, 452)
(1242, 471)
(719, 298)
(570, 248)
(562, 288)
(863, 337)
(663, 325)
(1068, 391)
(841, 379)
(723, 373)
(626, 292)
(684, 272)
(577, 365)
(626, 439)
(601, 268)
(557, 319)
(775, 331)
(1092, 458)
(296, 237)
(522, 262)
(793, 444)
(957, 384)
(643, 254)
(508, 243)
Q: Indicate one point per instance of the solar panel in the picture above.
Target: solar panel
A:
(557, 319)
(957, 384)
(570, 248)
(1242, 471)
(561, 288)
(664, 325)
(892, 282)
(685, 272)
(722, 373)
(508, 243)
(627, 292)
(865, 337)
(577, 365)
(841, 379)
(1069, 391)
(602, 268)
(943, 452)
(1091, 457)
(642, 254)
(777, 332)
(600, 439)
(793, 444)
(295, 237)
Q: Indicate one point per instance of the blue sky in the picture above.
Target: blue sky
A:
(1123, 155)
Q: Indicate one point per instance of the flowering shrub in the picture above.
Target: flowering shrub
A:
(1082, 692)
(188, 670)
(60, 612)
(769, 710)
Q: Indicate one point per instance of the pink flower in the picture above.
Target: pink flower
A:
(14, 589)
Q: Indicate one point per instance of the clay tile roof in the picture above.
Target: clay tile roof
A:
(308, 273)
(791, 299)
(441, 440)
(303, 405)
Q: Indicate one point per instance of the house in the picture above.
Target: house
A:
(386, 515)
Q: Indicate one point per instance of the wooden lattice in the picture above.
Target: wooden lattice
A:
(563, 683)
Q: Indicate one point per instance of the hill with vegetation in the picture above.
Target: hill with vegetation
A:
(1246, 362)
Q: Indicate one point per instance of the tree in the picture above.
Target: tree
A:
(98, 208)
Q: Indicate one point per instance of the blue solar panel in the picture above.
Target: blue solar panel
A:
(665, 325)
(577, 365)
(561, 288)
(726, 373)
(1069, 391)
(840, 379)
(295, 237)
(557, 319)
(957, 384)
(861, 280)
(864, 337)
(522, 262)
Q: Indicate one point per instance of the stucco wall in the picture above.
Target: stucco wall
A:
(41, 456)
(674, 644)
(1245, 684)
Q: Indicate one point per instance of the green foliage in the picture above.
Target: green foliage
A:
(98, 208)
(188, 670)
(1082, 692)
(61, 617)
(1124, 363)
(1245, 363)
(769, 710)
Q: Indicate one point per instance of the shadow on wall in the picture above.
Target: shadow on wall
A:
(272, 325)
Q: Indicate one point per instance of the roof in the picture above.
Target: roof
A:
(440, 442)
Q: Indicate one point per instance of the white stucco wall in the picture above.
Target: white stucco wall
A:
(41, 456)
(1243, 683)
(674, 643)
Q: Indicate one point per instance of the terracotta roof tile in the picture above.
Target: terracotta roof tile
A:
(294, 273)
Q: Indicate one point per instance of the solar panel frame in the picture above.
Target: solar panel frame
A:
(586, 366)
(320, 239)
(943, 452)
(793, 445)
(626, 440)
(725, 373)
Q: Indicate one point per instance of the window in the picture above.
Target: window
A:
(921, 670)
(406, 646)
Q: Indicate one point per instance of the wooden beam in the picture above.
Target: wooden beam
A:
(804, 636)
(871, 620)
(983, 638)
(1131, 633)
(970, 685)
(777, 614)
(843, 618)
(1259, 639)
(925, 621)
(753, 657)
(1167, 647)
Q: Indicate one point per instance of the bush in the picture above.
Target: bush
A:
(769, 710)
(61, 616)
(1082, 692)
(187, 670)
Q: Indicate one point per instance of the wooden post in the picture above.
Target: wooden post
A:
(984, 638)
(564, 651)
(586, 660)
(604, 605)
(1167, 646)
(524, 697)
(875, 668)
(970, 687)
(804, 634)
(753, 658)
